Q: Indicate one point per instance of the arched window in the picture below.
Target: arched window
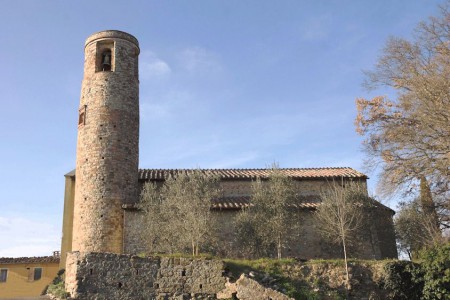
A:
(104, 58)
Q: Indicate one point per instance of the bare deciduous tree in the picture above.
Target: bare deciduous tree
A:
(340, 215)
(409, 136)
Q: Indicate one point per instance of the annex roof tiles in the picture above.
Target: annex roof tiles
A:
(309, 202)
(239, 202)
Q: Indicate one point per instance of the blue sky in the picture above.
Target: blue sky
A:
(223, 84)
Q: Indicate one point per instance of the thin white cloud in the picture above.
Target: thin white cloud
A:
(153, 67)
(200, 60)
(27, 237)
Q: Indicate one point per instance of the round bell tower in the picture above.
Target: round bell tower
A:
(106, 173)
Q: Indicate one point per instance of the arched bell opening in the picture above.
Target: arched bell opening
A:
(106, 60)
(105, 56)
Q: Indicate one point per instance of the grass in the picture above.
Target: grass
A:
(266, 265)
(56, 287)
(179, 255)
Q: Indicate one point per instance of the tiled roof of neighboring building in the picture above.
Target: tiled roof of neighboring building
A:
(29, 260)
(298, 173)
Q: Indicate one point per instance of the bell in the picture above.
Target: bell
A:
(106, 64)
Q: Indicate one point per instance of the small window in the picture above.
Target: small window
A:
(37, 273)
(82, 116)
(3, 275)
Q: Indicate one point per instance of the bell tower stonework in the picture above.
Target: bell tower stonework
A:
(108, 141)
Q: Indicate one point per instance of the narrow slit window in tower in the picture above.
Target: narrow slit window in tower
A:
(82, 116)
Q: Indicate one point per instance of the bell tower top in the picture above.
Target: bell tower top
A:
(112, 34)
(110, 51)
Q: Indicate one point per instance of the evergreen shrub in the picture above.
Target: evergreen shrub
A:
(436, 268)
(404, 279)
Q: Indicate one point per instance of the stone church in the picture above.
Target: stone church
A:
(101, 194)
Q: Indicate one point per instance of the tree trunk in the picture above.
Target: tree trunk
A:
(426, 200)
(279, 247)
(347, 278)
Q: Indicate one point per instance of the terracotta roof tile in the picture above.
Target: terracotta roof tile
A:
(29, 260)
(299, 173)
(239, 202)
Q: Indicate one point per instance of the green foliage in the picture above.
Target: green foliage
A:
(179, 255)
(177, 215)
(306, 294)
(56, 287)
(247, 239)
(436, 268)
(266, 265)
(264, 228)
(410, 233)
(277, 268)
(404, 280)
(416, 228)
(429, 279)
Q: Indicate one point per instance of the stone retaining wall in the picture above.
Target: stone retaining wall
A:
(111, 276)
(249, 289)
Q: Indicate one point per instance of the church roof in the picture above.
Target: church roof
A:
(298, 173)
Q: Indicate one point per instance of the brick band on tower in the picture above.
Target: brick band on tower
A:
(108, 141)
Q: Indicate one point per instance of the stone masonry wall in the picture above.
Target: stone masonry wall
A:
(305, 242)
(234, 188)
(111, 276)
(376, 241)
(249, 289)
(108, 142)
